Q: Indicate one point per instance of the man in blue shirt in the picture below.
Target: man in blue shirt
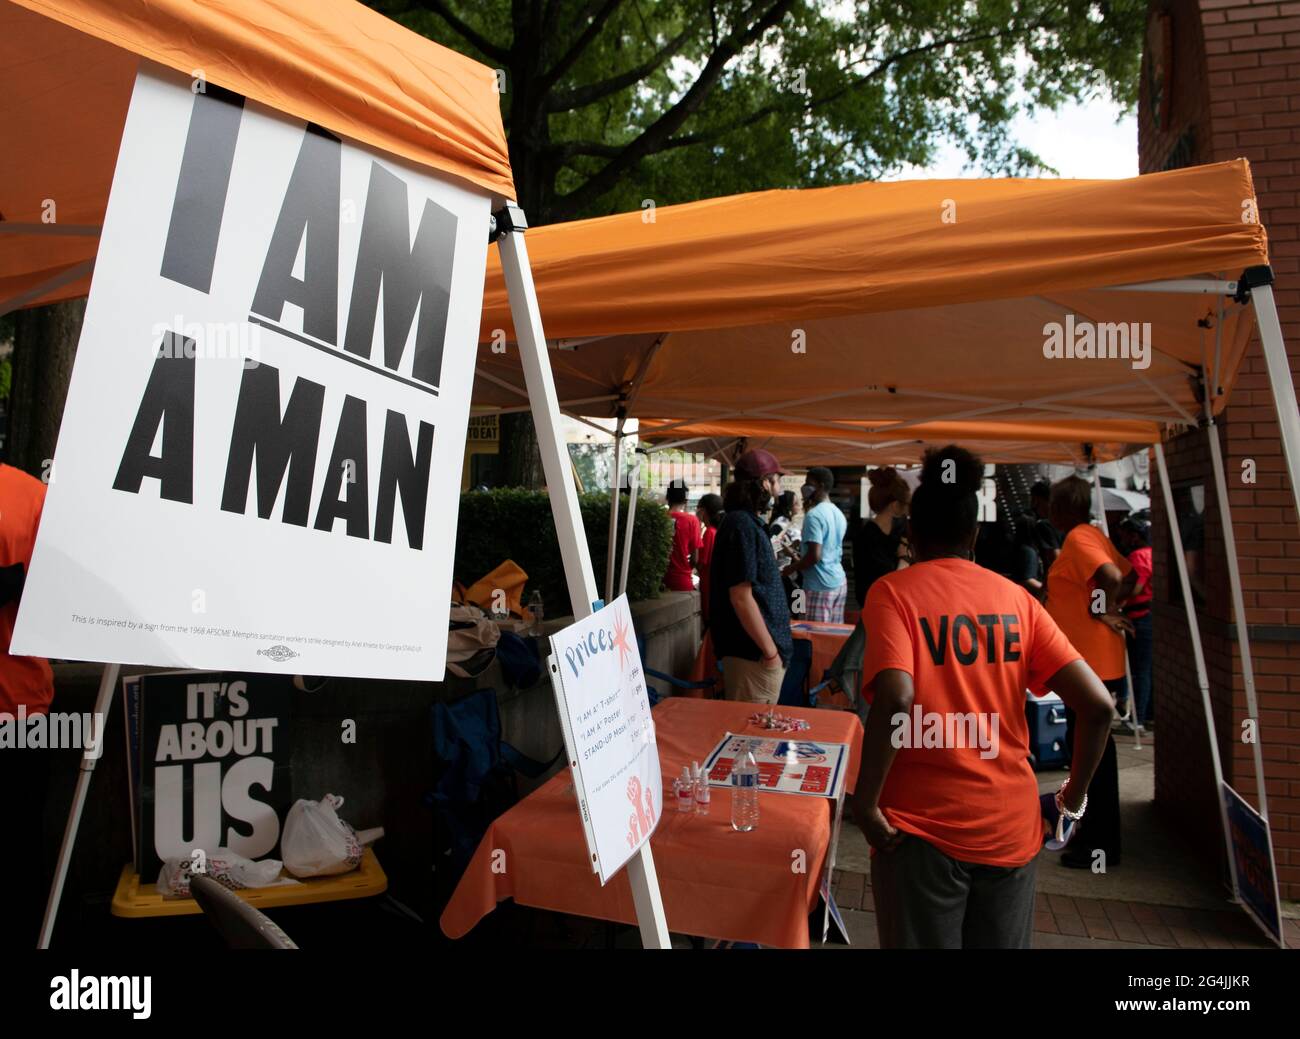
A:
(749, 618)
(821, 546)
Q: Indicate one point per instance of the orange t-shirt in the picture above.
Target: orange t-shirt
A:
(1069, 598)
(23, 680)
(973, 642)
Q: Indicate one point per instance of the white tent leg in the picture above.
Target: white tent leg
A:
(1279, 378)
(615, 483)
(1198, 654)
(632, 489)
(568, 520)
(103, 703)
(1238, 608)
(1134, 722)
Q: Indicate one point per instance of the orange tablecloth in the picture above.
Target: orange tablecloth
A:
(826, 641)
(715, 882)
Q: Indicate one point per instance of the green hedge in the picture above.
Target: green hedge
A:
(510, 523)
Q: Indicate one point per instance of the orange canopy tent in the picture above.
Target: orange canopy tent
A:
(67, 68)
(801, 445)
(899, 305)
(873, 316)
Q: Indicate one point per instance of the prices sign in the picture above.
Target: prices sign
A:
(608, 733)
(259, 462)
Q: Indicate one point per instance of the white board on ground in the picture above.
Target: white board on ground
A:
(259, 463)
(609, 735)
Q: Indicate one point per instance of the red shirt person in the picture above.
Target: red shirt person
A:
(686, 542)
(26, 683)
(709, 512)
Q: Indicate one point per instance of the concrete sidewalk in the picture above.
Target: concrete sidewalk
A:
(1161, 896)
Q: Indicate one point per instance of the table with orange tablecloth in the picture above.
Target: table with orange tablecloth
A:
(715, 882)
(826, 638)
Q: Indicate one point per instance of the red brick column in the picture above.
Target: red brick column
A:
(1235, 91)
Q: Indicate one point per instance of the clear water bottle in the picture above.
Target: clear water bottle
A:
(744, 793)
(538, 611)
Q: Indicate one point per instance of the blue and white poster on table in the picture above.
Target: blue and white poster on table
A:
(609, 735)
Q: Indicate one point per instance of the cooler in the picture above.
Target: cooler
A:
(1046, 717)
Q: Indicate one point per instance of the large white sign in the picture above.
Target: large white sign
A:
(259, 463)
(609, 734)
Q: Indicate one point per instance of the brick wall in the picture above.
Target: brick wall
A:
(1235, 92)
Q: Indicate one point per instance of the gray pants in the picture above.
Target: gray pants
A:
(926, 900)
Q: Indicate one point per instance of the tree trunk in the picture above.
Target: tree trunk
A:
(520, 463)
(45, 342)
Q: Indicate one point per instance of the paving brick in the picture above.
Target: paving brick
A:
(1062, 904)
(1071, 923)
(1045, 922)
(1129, 931)
(1186, 938)
(1159, 934)
(1116, 911)
(1144, 914)
(1090, 908)
(1099, 928)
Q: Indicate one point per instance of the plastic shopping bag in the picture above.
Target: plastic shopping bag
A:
(224, 866)
(317, 843)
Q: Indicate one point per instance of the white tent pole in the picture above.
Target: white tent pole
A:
(1198, 655)
(1131, 714)
(1238, 608)
(1279, 378)
(103, 703)
(615, 485)
(633, 475)
(568, 521)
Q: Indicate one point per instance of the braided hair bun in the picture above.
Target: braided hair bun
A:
(945, 508)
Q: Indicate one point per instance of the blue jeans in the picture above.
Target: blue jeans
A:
(1139, 655)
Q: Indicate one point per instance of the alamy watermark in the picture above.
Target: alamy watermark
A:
(208, 340)
(56, 730)
(948, 730)
(1108, 340)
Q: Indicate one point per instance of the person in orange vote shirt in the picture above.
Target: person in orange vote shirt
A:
(26, 683)
(946, 796)
(1086, 587)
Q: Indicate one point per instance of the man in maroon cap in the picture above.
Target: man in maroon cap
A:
(749, 617)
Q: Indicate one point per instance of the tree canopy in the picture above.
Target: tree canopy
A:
(608, 103)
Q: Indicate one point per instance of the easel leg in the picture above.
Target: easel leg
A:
(103, 702)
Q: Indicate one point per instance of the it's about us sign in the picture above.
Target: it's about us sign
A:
(260, 456)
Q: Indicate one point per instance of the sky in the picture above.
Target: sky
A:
(1081, 140)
